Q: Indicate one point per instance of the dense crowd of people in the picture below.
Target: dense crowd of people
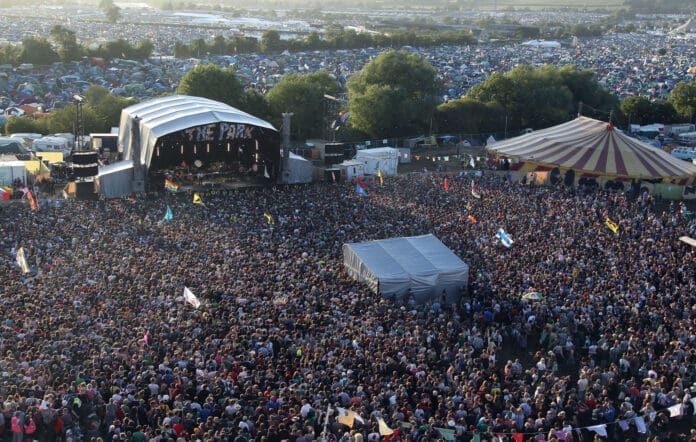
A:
(98, 343)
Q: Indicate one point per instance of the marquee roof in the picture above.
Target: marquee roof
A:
(162, 116)
(595, 147)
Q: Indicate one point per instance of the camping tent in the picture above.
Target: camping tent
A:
(385, 159)
(420, 266)
(299, 170)
(592, 148)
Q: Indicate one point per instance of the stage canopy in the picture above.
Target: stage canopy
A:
(593, 148)
(183, 129)
(419, 265)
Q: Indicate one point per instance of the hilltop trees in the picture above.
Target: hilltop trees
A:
(394, 94)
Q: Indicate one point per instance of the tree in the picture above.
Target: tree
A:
(211, 81)
(394, 94)
(270, 42)
(113, 13)
(37, 51)
(467, 115)
(69, 49)
(638, 109)
(21, 125)
(303, 95)
(683, 98)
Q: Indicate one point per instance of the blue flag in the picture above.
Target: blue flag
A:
(169, 215)
(360, 190)
(504, 238)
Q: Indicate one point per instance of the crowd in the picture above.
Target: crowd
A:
(98, 344)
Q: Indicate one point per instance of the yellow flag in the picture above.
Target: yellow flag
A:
(381, 178)
(269, 219)
(612, 225)
(197, 199)
(384, 429)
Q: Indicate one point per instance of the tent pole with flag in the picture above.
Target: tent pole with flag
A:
(191, 298)
(445, 184)
(269, 218)
(475, 192)
(504, 238)
(22, 260)
(32, 201)
(384, 429)
(197, 199)
(611, 225)
(360, 189)
(170, 185)
(381, 178)
(348, 417)
(169, 215)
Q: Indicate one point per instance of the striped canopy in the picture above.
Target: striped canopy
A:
(596, 148)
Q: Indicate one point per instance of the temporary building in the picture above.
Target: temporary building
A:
(592, 148)
(352, 169)
(299, 170)
(417, 266)
(115, 180)
(11, 171)
(385, 159)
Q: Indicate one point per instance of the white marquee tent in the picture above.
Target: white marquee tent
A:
(420, 266)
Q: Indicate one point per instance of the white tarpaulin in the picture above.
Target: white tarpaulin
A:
(419, 265)
(299, 170)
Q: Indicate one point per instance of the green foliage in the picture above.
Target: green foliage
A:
(22, 124)
(638, 109)
(66, 40)
(211, 81)
(683, 98)
(541, 97)
(393, 94)
(37, 51)
(270, 42)
(113, 13)
(470, 116)
(303, 95)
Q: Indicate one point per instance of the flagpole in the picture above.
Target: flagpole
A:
(326, 423)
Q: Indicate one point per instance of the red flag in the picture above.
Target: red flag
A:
(446, 184)
(32, 201)
(472, 219)
(183, 163)
(360, 183)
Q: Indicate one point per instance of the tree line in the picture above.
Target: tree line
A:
(397, 94)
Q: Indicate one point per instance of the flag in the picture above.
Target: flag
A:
(32, 201)
(612, 225)
(170, 185)
(146, 337)
(168, 216)
(183, 164)
(265, 172)
(504, 238)
(675, 410)
(446, 433)
(191, 298)
(445, 184)
(197, 199)
(384, 429)
(360, 183)
(640, 425)
(471, 162)
(333, 176)
(688, 240)
(22, 260)
(599, 429)
(475, 192)
(381, 178)
(361, 191)
(269, 219)
(348, 417)
(472, 219)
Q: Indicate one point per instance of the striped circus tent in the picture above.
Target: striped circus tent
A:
(592, 148)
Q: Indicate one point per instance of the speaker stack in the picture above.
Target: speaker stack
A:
(85, 167)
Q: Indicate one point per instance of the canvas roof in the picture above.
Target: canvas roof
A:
(162, 116)
(595, 147)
